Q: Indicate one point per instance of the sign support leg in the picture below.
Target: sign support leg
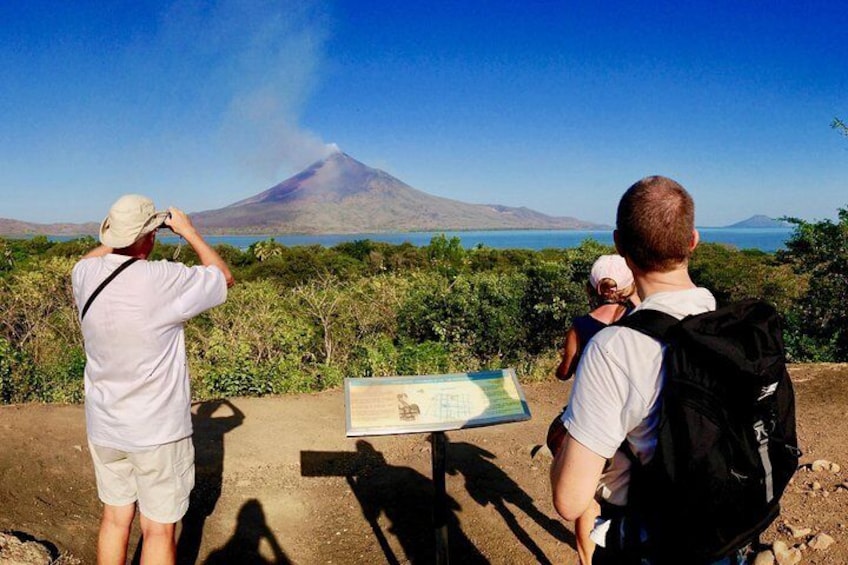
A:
(440, 505)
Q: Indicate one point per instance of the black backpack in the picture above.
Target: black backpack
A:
(726, 445)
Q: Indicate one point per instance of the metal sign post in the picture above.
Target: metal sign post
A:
(440, 498)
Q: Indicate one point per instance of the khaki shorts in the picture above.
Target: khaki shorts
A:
(160, 479)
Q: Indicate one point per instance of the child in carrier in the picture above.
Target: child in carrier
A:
(612, 294)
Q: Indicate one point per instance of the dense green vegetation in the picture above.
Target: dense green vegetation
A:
(303, 318)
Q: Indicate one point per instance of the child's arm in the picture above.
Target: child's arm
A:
(582, 528)
(570, 354)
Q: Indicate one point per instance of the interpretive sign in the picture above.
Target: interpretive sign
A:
(433, 403)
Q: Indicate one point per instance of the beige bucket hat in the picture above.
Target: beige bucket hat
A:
(130, 217)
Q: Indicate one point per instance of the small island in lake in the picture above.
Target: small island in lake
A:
(760, 221)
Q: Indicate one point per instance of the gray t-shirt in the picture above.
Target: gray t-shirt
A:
(616, 388)
(137, 392)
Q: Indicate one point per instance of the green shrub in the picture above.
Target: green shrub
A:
(62, 380)
(40, 329)
(734, 275)
(481, 311)
(240, 347)
(427, 358)
(324, 377)
(537, 368)
(819, 251)
(73, 248)
(303, 318)
(373, 356)
(802, 347)
(447, 256)
(15, 374)
(294, 266)
(550, 300)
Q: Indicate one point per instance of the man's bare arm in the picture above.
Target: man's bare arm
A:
(575, 473)
(181, 225)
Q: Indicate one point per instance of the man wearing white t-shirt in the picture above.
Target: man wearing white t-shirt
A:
(619, 378)
(137, 397)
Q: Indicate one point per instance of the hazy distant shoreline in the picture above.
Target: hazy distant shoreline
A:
(763, 239)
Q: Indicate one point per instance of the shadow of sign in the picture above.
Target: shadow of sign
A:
(400, 494)
(488, 484)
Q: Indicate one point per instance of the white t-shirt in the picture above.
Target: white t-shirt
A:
(137, 391)
(616, 388)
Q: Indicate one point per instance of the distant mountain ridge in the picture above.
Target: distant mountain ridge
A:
(341, 195)
(19, 228)
(760, 221)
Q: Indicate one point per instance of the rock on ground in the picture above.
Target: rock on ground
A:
(14, 551)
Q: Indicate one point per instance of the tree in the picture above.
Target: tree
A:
(323, 299)
(447, 255)
(819, 250)
(733, 275)
(265, 249)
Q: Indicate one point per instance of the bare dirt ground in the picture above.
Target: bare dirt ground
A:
(278, 482)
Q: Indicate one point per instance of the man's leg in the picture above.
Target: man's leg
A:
(116, 489)
(165, 477)
(114, 534)
(159, 546)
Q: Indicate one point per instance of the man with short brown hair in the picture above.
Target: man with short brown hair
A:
(137, 396)
(614, 398)
(655, 224)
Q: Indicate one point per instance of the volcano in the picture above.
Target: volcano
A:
(341, 195)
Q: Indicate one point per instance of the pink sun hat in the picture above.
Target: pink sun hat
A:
(611, 267)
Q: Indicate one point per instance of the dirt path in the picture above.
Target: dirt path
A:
(278, 482)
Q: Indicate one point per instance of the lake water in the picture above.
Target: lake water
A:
(764, 239)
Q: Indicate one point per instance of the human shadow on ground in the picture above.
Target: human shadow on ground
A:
(208, 440)
(212, 421)
(401, 494)
(244, 545)
(489, 484)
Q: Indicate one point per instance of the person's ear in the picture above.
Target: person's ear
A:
(615, 241)
(618, 249)
(696, 239)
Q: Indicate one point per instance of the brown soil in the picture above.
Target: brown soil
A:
(278, 482)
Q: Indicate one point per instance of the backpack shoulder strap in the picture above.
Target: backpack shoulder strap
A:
(109, 279)
(650, 322)
(657, 325)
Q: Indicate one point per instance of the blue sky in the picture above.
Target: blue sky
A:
(557, 106)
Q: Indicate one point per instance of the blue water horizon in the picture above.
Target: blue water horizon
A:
(764, 239)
